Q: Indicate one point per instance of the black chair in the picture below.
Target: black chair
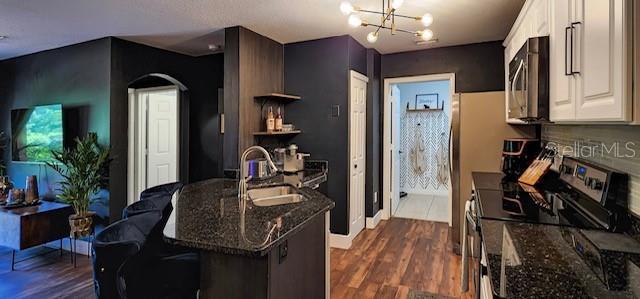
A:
(139, 207)
(168, 271)
(176, 276)
(117, 255)
(157, 198)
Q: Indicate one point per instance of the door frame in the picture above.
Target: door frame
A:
(386, 136)
(136, 158)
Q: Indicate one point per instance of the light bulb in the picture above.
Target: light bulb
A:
(372, 37)
(354, 21)
(427, 19)
(426, 34)
(396, 3)
(346, 8)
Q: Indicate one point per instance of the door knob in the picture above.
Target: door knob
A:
(355, 165)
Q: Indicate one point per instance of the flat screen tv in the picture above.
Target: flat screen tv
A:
(35, 132)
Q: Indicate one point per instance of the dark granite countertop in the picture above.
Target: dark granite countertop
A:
(208, 216)
(538, 261)
(487, 180)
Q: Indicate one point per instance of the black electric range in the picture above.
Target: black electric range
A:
(521, 203)
(557, 239)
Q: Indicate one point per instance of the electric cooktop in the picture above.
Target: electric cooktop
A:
(583, 195)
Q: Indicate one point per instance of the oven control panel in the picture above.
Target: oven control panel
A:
(586, 177)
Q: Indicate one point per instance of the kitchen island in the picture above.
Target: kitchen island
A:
(251, 251)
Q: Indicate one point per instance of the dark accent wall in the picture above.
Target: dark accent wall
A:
(199, 128)
(93, 78)
(478, 67)
(373, 179)
(231, 97)
(75, 76)
(318, 70)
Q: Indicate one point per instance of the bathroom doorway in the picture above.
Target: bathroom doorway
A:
(417, 129)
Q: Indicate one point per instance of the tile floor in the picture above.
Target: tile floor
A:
(424, 207)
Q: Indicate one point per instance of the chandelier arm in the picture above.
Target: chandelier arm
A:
(400, 30)
(381, 13)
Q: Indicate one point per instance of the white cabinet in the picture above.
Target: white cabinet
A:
(603, 61)
(591, 57)
(590, 61)
(562, 87)
(533, 21)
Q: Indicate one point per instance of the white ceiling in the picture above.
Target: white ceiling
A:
(190, 26)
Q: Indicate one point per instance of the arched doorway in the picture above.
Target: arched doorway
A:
(158, 133)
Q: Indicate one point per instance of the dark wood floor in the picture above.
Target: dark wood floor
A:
(399, 256)
(48, 276)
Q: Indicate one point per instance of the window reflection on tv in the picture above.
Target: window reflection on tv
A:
(36, 132)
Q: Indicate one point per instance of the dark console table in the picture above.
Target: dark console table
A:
(23, 228)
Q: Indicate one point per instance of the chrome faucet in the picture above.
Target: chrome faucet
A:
(244, 181)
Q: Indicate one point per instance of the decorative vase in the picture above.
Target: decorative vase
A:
(5, 188)
(31, 192)
(81, 225)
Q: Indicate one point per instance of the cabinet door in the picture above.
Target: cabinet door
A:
(599, 54)
(562, 87)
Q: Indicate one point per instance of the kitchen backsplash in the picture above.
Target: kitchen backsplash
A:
(615, 146)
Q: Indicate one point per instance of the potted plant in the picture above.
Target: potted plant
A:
(82, 168)
(5, 183)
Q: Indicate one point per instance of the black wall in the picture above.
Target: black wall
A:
(93, 77)
(78, 77)
(478, 67)
(202, 76)
(374, 140)
(318, 71)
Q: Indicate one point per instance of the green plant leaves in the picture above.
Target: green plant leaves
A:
(82, 168)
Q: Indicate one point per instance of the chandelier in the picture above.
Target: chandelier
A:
(387, 20)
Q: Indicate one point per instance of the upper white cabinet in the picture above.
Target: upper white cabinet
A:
(562, 87)
(591, 57)
(602, 59)
(533, 20)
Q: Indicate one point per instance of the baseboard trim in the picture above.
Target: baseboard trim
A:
(372, 222)
(340, 241)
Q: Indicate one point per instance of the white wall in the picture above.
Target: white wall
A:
(408, 92)
(434, 128)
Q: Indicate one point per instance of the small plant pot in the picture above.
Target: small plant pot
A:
(81, 225)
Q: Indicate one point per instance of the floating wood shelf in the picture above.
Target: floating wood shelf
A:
(429, 109)
(277, 133)
(278, 97)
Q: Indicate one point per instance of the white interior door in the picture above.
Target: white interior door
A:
(357, 146)
(395, 148)
(162, 141)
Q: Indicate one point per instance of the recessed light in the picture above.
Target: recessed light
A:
(213, 47)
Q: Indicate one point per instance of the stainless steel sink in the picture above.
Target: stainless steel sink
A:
(273, 196)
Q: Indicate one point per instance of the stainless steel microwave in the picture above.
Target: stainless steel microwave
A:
(528, 90)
